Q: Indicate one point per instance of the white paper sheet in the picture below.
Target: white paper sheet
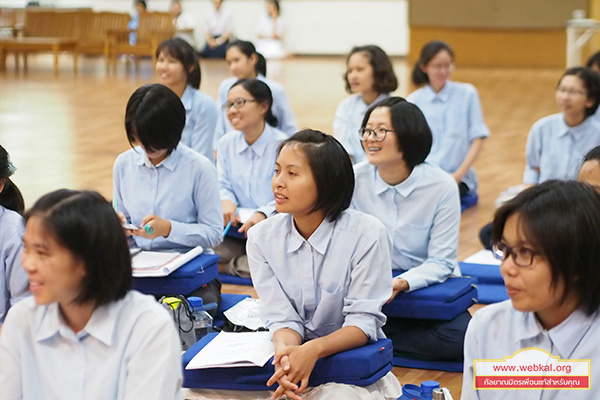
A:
(160, 263)
(229, 349)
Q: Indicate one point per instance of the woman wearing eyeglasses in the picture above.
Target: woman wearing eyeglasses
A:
(557, 143)
(549, 251)
(245, 164)
(453, 112)
(245, 63)
(419, 205)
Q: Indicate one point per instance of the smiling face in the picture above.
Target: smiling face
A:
(54, 274)
(571, 97)
(360, 73)
(170, 71)
(530, 288)
(386, 152)
(439, 69)
(240, 65)
(293, 183)
(250, 115)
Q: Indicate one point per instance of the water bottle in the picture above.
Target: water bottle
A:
(203, 322)
(423, 392)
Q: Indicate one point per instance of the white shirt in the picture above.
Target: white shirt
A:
(340, 276)
(245, 171)
(456, 120)
(129, 350)
(200, 121)
(498, 331)
(347, 122)
(422, 216)
(183, 189)
(556, 150)
(218, 22)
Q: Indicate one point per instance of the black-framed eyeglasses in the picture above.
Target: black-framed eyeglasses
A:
(521, 256)
(378, 134)
(237, 103)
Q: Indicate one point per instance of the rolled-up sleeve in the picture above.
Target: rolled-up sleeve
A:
(368, 291)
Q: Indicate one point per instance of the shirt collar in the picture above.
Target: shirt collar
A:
(565, 337)
(404, 188)
(574, 130)
(101, 325)
(443, 95)
(380, 97)
(187, 97)
(169, 162)
(319, 240)
(259, 145)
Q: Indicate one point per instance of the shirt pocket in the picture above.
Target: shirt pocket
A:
(456, 123)
(410, 245)
(328, 315)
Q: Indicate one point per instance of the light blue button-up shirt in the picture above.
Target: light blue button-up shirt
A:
(498, 331)
(281, 108)
(14, 285)
(128, 350)
(201, 115)
(183, 189)
(455, 118)
(245, 171)
(556, 150)
(347, 122)
(340, 276)
(422, 217)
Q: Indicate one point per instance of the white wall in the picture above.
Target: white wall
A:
(312, 26)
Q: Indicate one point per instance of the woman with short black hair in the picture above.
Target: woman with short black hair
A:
(547, 241)
(419, 205)
(84, 333)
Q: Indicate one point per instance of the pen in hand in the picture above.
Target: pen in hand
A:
(228, 226)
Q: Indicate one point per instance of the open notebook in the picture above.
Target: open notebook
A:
(234, 349)
(160, 263)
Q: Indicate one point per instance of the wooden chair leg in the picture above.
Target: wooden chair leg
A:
(75, 61)
(55, 52)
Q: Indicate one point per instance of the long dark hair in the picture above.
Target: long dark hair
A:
(181, 50)
(429, 51)
(10, 197)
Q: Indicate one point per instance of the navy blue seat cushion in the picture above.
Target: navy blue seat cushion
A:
(362, 366)
(489, 293)
(468, 200)
(485, 273)
(235, 280)
(450, 366)
(184, 280)
(442, 301)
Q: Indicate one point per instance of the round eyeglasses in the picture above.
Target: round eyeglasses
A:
(521, 256)
(378, 134)
(237, 103)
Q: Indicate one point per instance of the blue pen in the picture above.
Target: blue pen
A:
(229, 223)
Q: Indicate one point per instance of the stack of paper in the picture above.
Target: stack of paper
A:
(231, 349)
(160, 263)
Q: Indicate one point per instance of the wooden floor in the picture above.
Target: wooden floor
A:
(67, 131)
